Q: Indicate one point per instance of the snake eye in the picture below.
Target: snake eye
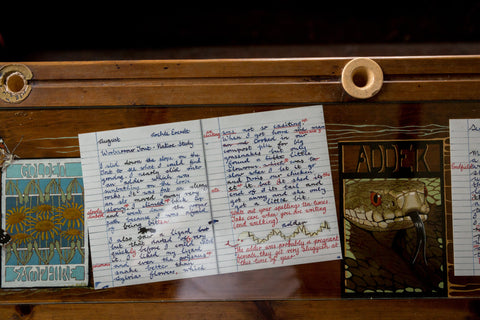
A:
(375, 198)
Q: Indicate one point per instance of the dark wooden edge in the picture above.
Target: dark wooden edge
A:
(242, 81)
(231, 68)
(325, 309)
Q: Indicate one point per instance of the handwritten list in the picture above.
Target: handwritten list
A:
(465, 168)
(211, 196)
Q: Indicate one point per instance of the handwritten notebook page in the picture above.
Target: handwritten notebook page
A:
(465, 168)
(147, 204)
(271, 189)
(211, 196)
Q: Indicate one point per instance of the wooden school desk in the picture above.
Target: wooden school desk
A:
(50, 103)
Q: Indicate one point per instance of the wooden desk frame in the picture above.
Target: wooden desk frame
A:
(67, 98)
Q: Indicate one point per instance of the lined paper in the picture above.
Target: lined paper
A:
(465, 165)
(211, 196)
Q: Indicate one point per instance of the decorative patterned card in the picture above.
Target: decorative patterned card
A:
(394, 218)
(42, 211)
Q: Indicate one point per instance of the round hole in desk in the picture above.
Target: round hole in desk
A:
(362, 77)
(15, 82)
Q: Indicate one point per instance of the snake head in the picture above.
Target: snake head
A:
(385, 205)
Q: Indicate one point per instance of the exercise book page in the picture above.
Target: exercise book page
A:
(147, 206)
(465, 168)
(209, 196)
(271, 189)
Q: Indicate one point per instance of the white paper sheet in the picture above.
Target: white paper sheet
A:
(211, 196)
(465, 168)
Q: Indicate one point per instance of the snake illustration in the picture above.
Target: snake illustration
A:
(389, 205)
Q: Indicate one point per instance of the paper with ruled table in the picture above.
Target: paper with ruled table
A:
(210, 196)
(465, 168)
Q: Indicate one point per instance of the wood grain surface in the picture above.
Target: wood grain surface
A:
(251, 310)
(242, 81)
(72, 98)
